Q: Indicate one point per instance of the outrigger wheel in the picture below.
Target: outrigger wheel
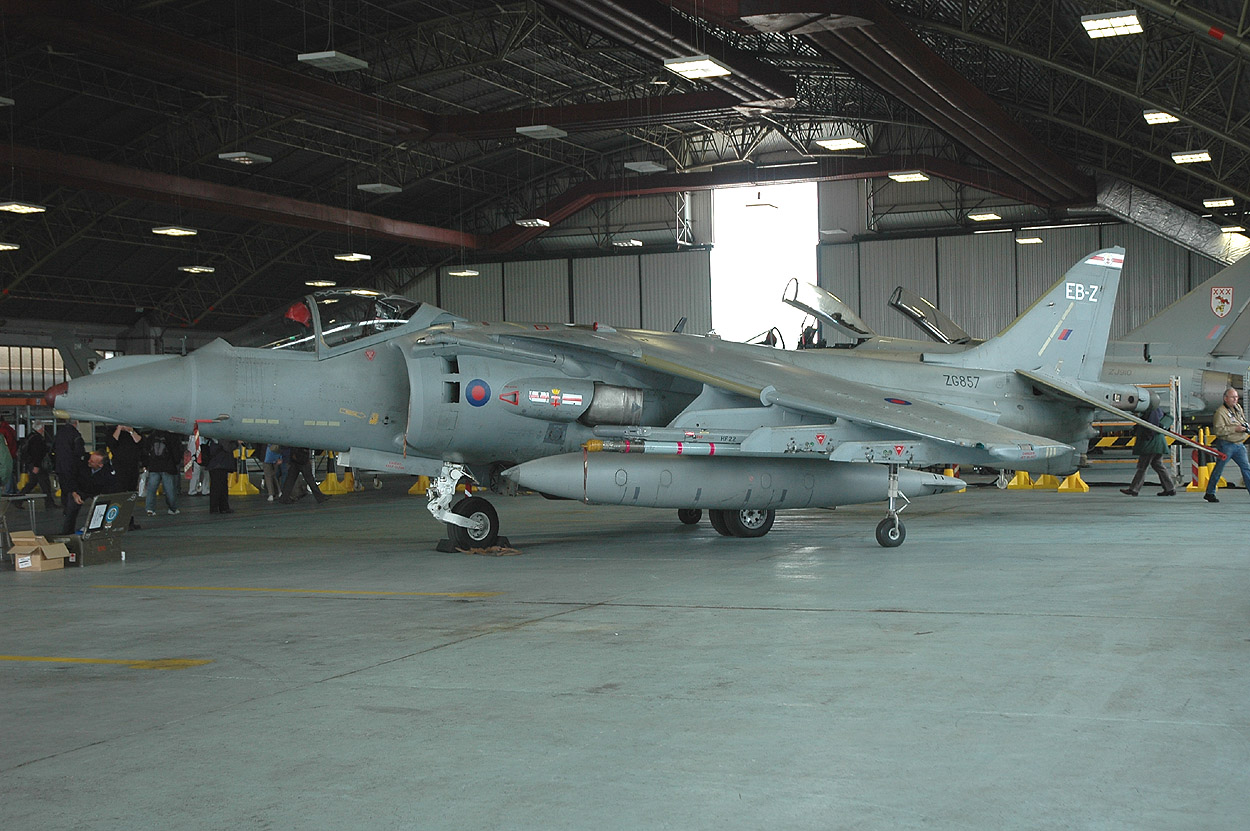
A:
(689, 516)
(891, 532)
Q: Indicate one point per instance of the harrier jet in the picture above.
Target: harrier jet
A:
(633, 417)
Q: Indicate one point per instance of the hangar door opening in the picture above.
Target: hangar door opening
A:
(764, 237)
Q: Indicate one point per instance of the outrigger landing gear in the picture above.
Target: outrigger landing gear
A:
(472, 522)
(890, 531)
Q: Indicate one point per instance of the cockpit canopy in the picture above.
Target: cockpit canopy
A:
(333, 317)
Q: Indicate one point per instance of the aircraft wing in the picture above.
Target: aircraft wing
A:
(758, 373)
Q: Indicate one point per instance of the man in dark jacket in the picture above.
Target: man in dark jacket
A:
(300, 465)
(124, 445)
(162, 456)
(67, 452)
(220, 459)
(34, 455)
(90, 478)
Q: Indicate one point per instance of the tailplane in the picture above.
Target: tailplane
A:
(1064, 333)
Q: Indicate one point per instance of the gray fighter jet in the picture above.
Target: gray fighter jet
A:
(633, 417)
(1203, 338)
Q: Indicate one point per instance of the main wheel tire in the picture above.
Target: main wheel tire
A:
(689, 516)
(890, 533)
(484, 530)
(717, 518)
(751, 522)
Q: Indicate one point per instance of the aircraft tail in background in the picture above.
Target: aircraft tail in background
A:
(1064, 333)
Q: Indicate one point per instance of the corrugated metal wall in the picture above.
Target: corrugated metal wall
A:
(676, 286)
(607, 290)
(475, 298)
(1156, 274)
(976, 275)
(536, 291)
(910, 263)
(424, 290)
(1038, 267)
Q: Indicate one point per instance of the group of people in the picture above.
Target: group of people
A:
(150, 463)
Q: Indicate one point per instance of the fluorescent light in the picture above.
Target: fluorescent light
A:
(909, 176)
(627, 243)
(353, 257)
(985, 217)
(1191, 156)
(645, 167)
(1158, 117)
(1111, 24)
(320, 284)
(244, 157)
(378, 187)
(1219, 202)
(1232, 229)
(1029, 240)
(541, 131)
(197, 269)
(9, 246)
(21, 207)
(333, 61)
(843, 143)
(6, 102)
(533, 223)
(464, 272)
(697, 66)
(993, 231)
(175, 231)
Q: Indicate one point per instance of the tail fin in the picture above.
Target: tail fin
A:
(1064, 333)
(1210, 320)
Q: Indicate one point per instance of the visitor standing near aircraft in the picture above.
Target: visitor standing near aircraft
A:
(1231, 432)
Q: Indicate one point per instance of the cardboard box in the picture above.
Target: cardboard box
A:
(44, 556)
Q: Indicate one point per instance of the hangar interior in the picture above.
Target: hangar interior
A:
(174, 169)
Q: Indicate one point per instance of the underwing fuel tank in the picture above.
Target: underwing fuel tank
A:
(734, 482)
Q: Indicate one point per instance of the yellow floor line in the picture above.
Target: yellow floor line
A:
(159, 663)
(303, 591)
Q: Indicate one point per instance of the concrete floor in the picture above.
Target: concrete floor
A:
(1025, 660)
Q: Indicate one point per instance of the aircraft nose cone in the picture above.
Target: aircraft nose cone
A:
(50, 396)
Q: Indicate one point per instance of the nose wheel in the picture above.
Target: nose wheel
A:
(890, 531)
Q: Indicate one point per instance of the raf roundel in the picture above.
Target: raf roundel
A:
(478, 392)
(898, 401)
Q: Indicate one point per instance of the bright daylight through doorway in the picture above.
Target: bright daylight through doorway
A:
(764, 237)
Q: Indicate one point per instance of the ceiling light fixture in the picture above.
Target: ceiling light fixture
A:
(1232, 229)
(321, 284)
(627, 243)
(1158, 117)
(541, 131)
(244, 157)
(197, 269)
(174, 231)
(333, 61)
(988, 216)
(1111, 24)
(993, 231)
(1191, 156)
(697, 66)
(645, 167)
(378, 188)
(1029, 240)
(353, 257)
(9, 246)
(21, 207)
(6, 102)
(909, 176)
(464, 272)
(533, 222)
(840, 143)
(1219, 202)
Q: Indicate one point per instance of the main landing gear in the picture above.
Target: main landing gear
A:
(472, 522)
(890, 531)
(750, 522)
